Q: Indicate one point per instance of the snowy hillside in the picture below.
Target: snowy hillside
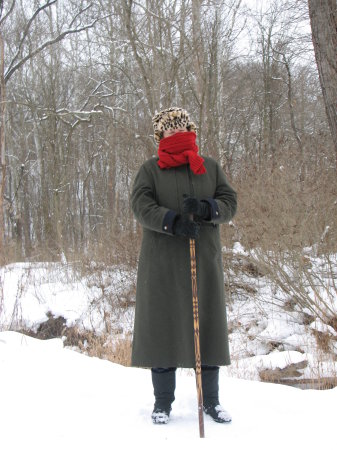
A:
(53, 398)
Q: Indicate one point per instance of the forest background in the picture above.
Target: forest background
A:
(81, 82)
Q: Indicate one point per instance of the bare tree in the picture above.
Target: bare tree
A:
(22, 53)
(79, 115)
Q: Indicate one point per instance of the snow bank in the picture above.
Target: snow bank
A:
(264, 335)
(53, 397)
(31, 290)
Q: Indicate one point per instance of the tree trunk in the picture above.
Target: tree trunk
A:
(2, 146)
(323, 18)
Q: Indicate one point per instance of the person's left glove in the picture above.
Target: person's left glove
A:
(183, 226)
(199, 209)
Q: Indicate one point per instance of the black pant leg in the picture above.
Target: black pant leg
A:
(164, 384)
(210, 385)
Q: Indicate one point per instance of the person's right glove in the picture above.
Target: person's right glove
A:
(183, 226)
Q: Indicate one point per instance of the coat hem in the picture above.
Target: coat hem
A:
(179, 366)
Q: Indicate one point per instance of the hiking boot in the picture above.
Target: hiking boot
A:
(218, 414)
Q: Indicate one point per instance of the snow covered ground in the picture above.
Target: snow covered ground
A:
(53, 397)
(266, 335)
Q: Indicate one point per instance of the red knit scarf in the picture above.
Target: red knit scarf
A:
(179, 149)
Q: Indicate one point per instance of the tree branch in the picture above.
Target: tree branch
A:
(8, 13)
(58, 38)
(79, 13)
(26, 30)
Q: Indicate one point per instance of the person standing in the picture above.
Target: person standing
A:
(177, 196)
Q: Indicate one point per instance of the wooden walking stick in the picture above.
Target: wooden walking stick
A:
(196, 336)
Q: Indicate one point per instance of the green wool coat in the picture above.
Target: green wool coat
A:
(163, 329)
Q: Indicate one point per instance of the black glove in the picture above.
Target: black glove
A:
(183, 226)
(200, 209)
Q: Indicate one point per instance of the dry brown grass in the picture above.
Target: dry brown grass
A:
(115, 348)
(118, 351)
(278, 210)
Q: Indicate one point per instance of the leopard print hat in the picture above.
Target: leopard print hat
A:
(171, 118)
